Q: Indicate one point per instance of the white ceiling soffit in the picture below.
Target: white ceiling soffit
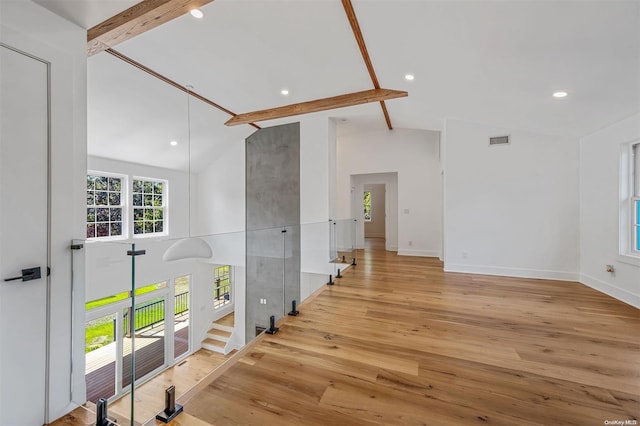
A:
(482, 61)
(86, 13)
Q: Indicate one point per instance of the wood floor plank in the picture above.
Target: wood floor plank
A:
(399, 341)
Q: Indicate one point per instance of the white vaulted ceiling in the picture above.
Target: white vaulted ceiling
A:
(494, 62)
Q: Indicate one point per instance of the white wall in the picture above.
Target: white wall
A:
(600, 204)
(414, 155)
(33, 29)
(220, 201)
(333, 163)
(510, 209)
(314, 170)
(315, 189)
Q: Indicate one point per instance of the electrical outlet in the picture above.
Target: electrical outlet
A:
(465, 254)
(410, 243)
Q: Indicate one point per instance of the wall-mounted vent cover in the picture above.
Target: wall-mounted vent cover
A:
(499, 140)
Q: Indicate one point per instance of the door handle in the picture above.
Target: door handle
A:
(27, 275)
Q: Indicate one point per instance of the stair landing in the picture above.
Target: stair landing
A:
(228, 320)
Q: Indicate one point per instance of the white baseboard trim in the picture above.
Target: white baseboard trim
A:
(373, 235)
(614, 291)
(512, 272)
(422, 253)
(392, 248)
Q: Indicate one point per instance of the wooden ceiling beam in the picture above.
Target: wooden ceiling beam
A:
(357, 33)
(170, 82)
(341, 101)
(136, 20)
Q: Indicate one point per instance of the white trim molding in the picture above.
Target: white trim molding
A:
(512, 272)
(422, 253)
(614, 291)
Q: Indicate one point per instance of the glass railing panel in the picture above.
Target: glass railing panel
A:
(345, 241)
(143, 331)
(101, 274)
(181, 315)
(355, 230)
(292, 268)
(318, 256)
(265, 279)
(100, 372)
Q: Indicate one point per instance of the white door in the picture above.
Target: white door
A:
(24, 136)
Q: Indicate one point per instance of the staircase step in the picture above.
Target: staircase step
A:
(219, 333)
(213, 342)
(214, 345)
(217, 326)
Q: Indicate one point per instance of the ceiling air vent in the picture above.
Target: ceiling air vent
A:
(499, 140)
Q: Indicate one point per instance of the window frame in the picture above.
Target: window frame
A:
(124, 186)
(217, 286)
(164, 207)
(634, 198)
(629, 195)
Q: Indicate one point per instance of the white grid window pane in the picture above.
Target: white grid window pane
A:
(104, 206)
(149, 206)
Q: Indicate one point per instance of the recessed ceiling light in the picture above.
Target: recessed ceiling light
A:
(560, 94)
(197, 13)
(284, 92)
(173, 143)
(409, 77)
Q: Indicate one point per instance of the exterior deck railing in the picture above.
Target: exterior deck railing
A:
(153, 313)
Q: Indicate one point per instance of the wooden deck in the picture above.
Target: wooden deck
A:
(397, 341)
(100, 374)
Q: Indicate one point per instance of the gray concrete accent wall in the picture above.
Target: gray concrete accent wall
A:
(272, 206)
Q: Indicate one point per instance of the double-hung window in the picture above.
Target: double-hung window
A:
(105, 205)
(149, 206)
(120, 206)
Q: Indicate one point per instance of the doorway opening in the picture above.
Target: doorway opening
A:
(374, 205)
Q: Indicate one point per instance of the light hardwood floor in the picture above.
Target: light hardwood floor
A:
(149, 397)
(398, 341)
